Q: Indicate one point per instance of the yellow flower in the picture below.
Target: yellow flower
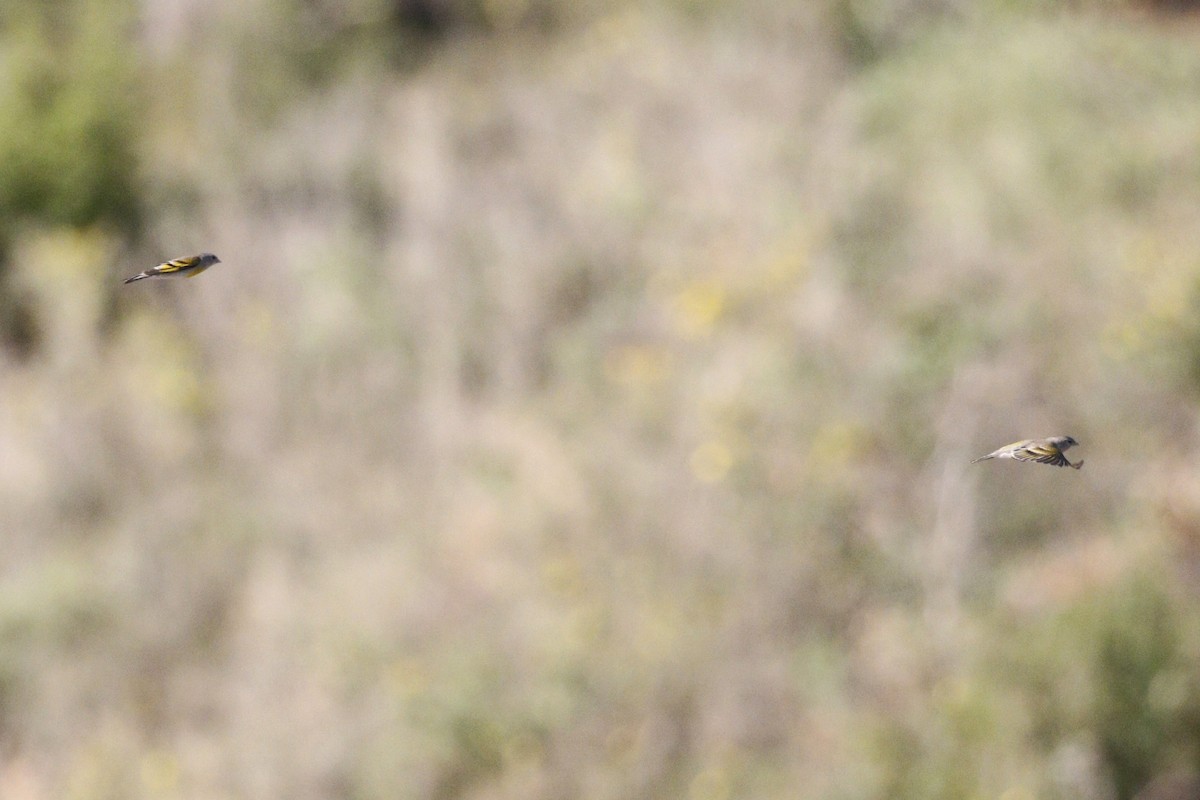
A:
(698, 307)
(711, 461)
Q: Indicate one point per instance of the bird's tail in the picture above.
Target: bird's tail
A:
(1078, 464)
(981, 458)
(138, 277)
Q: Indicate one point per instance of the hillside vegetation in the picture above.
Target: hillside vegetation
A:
(584, 405)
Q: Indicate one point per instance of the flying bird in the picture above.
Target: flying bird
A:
(1043, 451)
(191, 266)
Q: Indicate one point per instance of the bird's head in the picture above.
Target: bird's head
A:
(208, 259)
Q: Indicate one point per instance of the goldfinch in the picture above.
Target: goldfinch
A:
(1043, 451)
(190, 266)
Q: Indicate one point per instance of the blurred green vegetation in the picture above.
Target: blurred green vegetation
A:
(584, 405)
(68, 151)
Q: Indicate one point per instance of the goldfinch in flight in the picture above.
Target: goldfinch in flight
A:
(1043, 451)
(190, 266)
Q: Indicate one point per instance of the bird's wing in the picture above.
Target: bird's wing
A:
(1045, 454)
(174, 265)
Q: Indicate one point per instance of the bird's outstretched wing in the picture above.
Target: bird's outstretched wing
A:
(1044, 453)
(1055, 458)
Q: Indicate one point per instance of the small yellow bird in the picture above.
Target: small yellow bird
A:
(1043, 451)
(190, 266)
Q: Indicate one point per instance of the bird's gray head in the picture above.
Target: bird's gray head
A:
(1063, 442)
(208, 259)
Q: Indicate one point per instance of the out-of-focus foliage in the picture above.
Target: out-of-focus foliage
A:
(584, 404)
(69, 101)
(70, 110)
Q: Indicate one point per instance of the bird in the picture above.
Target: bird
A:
(1043, 451)
(191, 266)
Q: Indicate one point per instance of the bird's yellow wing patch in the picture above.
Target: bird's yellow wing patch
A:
(175, 266)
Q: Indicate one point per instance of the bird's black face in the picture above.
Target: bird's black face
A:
(1070, 441)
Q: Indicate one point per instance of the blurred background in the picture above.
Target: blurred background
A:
(584, 405)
